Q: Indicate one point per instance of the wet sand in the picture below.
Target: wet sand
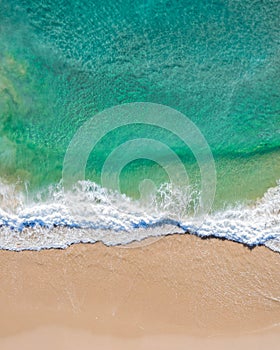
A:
(178, 292)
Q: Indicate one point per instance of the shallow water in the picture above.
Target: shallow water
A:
(62, 63)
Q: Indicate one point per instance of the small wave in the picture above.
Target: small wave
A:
(89, 213)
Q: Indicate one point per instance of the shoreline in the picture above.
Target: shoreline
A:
(180, 285)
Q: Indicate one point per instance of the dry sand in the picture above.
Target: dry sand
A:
(180, 292)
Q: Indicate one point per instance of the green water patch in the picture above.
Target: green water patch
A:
(217, 62)
(246, 179)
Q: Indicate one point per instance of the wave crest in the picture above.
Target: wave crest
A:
(54, 218)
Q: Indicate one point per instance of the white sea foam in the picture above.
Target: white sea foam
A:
(90, 213)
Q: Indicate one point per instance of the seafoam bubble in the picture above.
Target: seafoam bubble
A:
(60, 220)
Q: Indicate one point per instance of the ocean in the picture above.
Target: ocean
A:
(124, 120)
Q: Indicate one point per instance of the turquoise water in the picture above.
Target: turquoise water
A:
(63, 62)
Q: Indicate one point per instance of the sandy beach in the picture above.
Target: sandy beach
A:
(152, 121)
(179, 291)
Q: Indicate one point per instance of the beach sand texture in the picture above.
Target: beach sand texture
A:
(177, 292)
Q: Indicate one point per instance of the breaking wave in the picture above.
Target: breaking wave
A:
(55, 218)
